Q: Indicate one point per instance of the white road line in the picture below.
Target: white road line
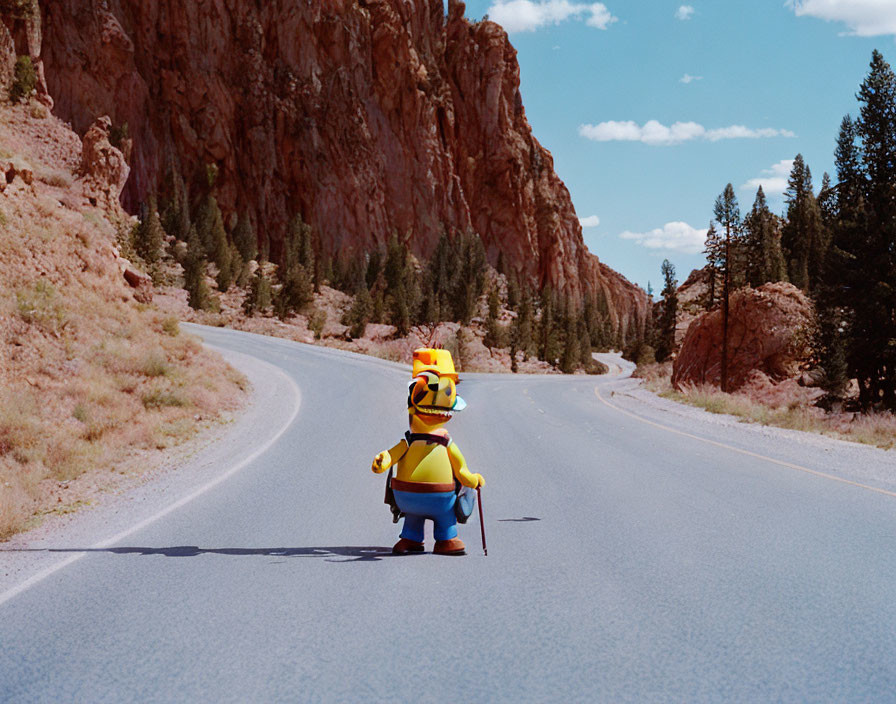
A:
(782, 463)
(40, 576)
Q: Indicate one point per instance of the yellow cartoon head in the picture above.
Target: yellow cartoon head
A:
(432, 393)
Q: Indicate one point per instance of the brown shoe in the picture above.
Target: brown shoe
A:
(455, 546)
(405, 546)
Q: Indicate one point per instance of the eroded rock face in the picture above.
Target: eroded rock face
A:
(21, 35)
(769, 331)
(368, 117)
(103, 171)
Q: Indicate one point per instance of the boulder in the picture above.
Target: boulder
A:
(769, 331)
(140, 282)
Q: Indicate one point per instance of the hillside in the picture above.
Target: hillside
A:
(94, 384)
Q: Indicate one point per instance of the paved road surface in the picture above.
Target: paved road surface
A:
(626, 563)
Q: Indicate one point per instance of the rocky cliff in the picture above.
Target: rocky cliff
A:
(367, 117)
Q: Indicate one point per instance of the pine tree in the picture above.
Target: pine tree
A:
(296, 291)
(669, 313)
(194, 264)
(175, 211)
(571, 356)
(494, 336)
(259, 296)
(873, 354)
(244, 238)
(358, 315)
(714, 249)
(148, 235)
(803, 238)
(727, 214)
(521, 329)
(762, 242)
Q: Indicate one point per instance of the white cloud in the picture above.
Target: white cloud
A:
(655, 133)
(688, 78)
(673, 236)
(865, 18)
(590, 221)
(529, 15)
(773, 180)
(685, 12)
(741, 132)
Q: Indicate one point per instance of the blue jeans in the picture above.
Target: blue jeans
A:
(437, 507)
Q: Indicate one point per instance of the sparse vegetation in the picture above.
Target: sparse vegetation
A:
(24, 79)
(90, 379)
(878, 429)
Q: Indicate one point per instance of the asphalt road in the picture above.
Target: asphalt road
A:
(627, 562)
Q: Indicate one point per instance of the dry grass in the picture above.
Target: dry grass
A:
(88, 377)
(878, 429)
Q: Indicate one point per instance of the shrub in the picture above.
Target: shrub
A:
(296, 293)
(160, 398)
(259, 296)
(358, 315)
(41, 306)
(154, 363)
(24, 79)
(171, 326)
(317, 322)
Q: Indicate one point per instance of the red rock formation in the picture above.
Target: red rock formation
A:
(103, 171)
(366, 116)
(20, 35)
(768, 331)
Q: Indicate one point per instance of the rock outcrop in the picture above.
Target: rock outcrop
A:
(769, 331)
(103, 171)
(21, 35)
(367, 117)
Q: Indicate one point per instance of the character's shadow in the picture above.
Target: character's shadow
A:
(350, 553)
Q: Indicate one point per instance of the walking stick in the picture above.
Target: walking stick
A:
(481, 522)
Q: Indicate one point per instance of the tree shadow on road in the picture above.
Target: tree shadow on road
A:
(350, 552)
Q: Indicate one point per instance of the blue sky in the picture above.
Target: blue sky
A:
(650, 107)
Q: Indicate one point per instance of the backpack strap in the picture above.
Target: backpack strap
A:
(428, 438)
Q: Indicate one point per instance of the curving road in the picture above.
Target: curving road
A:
(635, 554)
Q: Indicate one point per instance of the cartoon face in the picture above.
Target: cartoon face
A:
(432, 399)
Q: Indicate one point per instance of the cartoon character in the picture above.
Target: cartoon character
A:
(427, 461)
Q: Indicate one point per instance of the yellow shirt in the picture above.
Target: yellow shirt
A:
(434, 463)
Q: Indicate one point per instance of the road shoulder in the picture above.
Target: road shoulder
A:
(193, 469)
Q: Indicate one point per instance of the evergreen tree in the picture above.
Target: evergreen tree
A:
(358, 315)
(175, 214)
(296, 291)
(762, 242)
(571, 355)
(148, 235)
(669, 313)
(521, 329)
(873, 354)
(714, 249)
(194, 264)
(259, 296)
(727, 214)
(494, 333)
(244, 238)
(803, 238)
(549, 342)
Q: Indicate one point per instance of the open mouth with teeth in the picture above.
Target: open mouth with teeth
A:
(433, 413)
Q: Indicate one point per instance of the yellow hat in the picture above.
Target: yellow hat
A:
(438, 361)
